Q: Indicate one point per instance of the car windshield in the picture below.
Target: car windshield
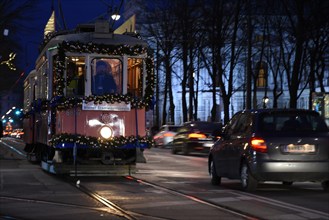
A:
(292, 122)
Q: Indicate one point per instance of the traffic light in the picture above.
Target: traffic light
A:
(18, 112)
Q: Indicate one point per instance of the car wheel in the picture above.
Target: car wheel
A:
(185, 149)
(325, 185)
(287, 183)
(215, 179)
(173, 150)
(248, 182)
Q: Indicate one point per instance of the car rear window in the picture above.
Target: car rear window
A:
(292, 122)
(173, 128)
(204, 127)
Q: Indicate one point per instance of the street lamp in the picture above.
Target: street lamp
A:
(265, 101)
(115, 16)
(5, 32)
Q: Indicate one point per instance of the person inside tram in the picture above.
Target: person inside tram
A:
(76, 85)
(104, 82)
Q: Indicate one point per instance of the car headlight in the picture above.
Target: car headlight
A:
(106, 132)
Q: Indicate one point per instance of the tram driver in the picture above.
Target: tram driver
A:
(104, 82)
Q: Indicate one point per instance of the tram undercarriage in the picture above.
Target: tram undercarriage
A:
(85, 161)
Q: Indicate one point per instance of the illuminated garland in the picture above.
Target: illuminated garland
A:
(8, 62)
(60, 102)
(59, 82)
(94, 142)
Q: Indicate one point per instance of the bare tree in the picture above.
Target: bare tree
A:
(13, 25)
(292, 45)
(188, 38)
(162, 29)
(221, 26)
(318, 45)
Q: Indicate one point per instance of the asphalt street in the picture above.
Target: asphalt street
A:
(26, 192)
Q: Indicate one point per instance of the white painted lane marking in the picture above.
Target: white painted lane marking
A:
(13, 149)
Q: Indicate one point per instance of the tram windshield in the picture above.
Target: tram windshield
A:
(106, 76)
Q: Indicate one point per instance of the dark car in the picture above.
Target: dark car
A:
(272, 145)
(196, 136)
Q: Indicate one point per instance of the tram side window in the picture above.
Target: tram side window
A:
(54, 76)
(27, 100)
(75, 76)
(134, 76)
(42, 84)
(29, 93)
(106, 76)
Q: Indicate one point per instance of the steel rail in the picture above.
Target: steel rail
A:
(236, 212)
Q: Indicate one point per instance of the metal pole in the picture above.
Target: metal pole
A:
(75, 150)
(139, 157)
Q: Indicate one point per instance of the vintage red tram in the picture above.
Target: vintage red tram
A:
(85, 102)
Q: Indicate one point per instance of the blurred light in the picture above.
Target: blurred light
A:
(266, 99)
(11, 120)
(106, 132)
(196, 135)
(5, 32)
(115, 16)
(258, 144)
(94, 122)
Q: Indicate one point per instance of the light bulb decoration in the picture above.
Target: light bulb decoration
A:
(8, 62)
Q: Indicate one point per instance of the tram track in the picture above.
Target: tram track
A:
(239, 214)
(195, 199)
(46, 203)
(115, 209)
(111, 206)
(131, 215)
(108, 201)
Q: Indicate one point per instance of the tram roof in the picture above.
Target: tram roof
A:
(91, 33)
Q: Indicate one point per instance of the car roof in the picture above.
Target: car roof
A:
(200, 122)
(274, 110)
(170, 126)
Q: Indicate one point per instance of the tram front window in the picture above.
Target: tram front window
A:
(75, 76)
(106, 76)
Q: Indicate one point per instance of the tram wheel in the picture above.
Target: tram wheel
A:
(107, 158)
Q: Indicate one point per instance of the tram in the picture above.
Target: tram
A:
(86, 100)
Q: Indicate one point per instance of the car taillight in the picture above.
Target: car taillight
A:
(258, 144)
(196, 135)
(168, 134)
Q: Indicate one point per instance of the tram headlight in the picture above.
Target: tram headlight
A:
(106, 132)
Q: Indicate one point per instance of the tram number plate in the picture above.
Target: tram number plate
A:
(299, 148)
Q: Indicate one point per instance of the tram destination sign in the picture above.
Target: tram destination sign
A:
(106, 106)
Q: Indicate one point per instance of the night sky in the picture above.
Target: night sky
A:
(74, 12)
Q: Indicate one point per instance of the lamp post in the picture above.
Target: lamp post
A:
(115, 16)
(265, 101)
(5, 32)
